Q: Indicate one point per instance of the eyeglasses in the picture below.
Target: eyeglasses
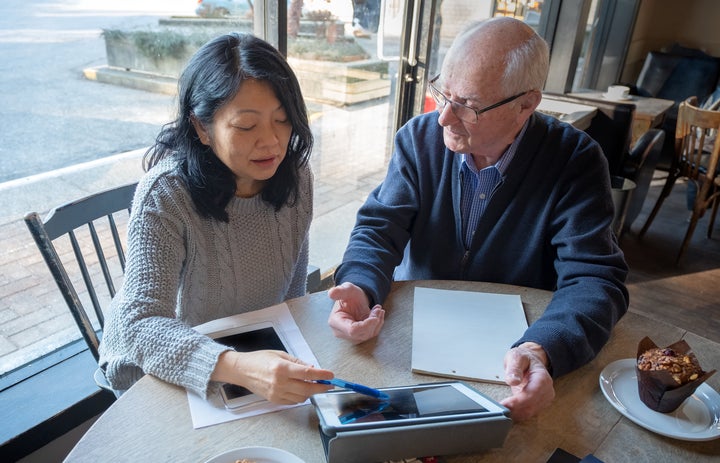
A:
(461, 111)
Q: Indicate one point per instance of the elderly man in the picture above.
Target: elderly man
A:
(486, 189)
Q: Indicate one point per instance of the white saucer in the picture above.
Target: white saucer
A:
(256, 455)
(615, 98)
(697, 419)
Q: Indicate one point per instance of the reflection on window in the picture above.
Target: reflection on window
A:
(526, 10)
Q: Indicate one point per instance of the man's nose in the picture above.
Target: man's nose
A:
(447, 116)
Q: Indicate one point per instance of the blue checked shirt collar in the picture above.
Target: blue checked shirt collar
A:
(478, 186)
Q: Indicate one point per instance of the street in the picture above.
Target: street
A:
(51, 116)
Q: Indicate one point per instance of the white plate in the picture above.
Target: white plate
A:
(256, 455)
(697, 419)
(615, 98)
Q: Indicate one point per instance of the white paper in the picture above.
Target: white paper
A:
(212, 411)
(464, 334)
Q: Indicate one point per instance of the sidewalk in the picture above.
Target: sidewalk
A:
(33, 315)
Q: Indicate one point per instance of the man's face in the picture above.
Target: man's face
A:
(494, 129)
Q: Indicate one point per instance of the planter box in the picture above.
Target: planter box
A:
(339, 83)
(123, 53)
(308, 28)
(342, 83)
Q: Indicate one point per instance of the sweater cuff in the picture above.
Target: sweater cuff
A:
(200, 367)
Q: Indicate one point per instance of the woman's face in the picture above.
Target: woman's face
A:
(250, 135)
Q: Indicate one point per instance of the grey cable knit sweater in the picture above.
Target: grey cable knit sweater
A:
(183, 270)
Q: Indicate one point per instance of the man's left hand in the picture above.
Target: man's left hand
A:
(527, 375)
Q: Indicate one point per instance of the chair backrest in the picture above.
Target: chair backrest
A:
(678, 76)
(66, 220)
(697, 144)
(611, 127)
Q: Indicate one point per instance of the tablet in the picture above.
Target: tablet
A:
(248, 338)
(423, 403)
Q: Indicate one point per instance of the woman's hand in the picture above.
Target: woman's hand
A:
(351, 317)
(273, 374)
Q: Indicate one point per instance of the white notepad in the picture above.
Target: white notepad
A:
(463, 334)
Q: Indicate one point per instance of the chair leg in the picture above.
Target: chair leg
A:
(716, 202)
(688, 235)
(667, 188)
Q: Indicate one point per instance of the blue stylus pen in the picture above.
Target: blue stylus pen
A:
(355, 387)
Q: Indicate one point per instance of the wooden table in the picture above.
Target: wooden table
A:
(649, 112)
(151, 421)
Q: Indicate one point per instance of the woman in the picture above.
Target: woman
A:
(219, 226)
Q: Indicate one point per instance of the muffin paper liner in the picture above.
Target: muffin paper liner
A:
(658, 390)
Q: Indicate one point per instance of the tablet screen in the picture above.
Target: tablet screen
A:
(248, 341)
(259, 339)
(405, 403)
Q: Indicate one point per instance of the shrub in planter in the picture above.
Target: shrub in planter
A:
(162, 51)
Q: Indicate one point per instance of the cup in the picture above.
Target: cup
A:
(618, 92)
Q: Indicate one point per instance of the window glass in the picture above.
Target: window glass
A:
(79, 115)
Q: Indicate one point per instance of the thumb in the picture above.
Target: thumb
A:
(339, 292)
(515, 366)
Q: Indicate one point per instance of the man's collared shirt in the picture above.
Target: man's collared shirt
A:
(478, 186)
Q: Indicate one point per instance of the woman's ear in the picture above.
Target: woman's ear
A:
(200, 129)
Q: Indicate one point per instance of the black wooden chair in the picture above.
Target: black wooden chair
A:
(98, 255)
(639, 167)
(98, 266)
(611, 127)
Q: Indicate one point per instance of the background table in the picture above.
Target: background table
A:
(578, 115)
(151, 421)
(649, 112)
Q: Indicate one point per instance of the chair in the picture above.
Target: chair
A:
(611, 127)
(676, 74)
(106, 252)
(66, 220)
(691, 161)
(639, 167)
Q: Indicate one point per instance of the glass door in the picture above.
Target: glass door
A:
(348, 74)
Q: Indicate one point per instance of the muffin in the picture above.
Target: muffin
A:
(667, 375)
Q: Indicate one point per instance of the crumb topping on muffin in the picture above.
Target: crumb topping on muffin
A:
(682, 367)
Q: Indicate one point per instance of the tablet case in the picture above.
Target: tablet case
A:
(429, 439)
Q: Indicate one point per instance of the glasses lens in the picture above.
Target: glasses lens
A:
(464, 113)
(438, 97)
(460, 111)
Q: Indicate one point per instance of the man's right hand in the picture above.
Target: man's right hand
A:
(351, 317)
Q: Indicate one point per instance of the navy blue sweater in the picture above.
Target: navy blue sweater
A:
(547, 226)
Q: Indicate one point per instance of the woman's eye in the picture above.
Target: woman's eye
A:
(245, 128)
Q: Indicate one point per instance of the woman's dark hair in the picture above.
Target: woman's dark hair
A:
(211, 78)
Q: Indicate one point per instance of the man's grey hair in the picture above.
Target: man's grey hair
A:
(527, 66)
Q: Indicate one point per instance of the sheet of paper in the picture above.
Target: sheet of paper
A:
(463, 334)
(212, 411)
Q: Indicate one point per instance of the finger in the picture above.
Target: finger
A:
(308, 373)
(341, 291)
(379, 314)
(516, 364)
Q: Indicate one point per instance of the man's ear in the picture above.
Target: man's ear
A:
(531, 100)
(200, 129)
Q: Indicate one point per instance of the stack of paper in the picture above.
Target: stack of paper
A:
(462, 334)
